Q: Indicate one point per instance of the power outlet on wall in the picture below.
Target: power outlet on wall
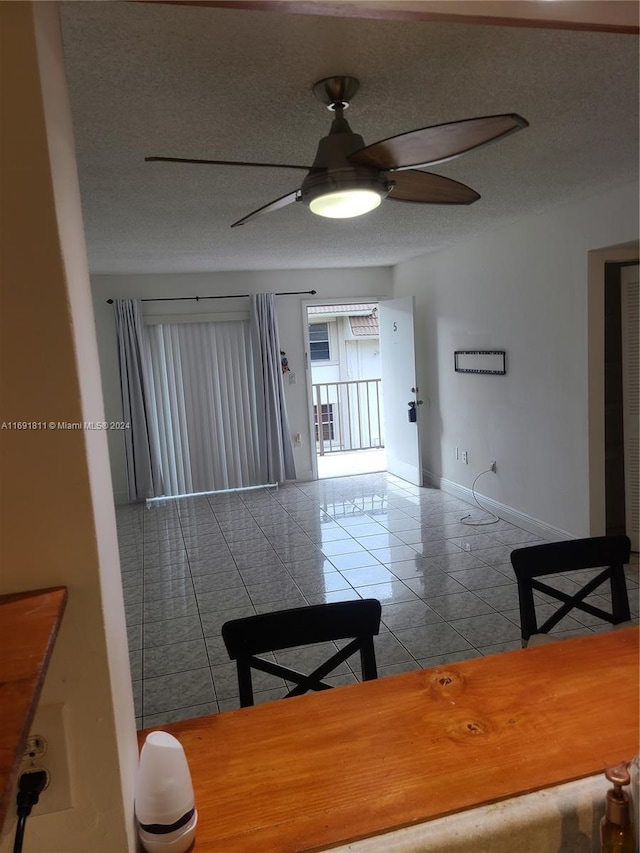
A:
(465, 457)
(493, 466)
(46, 749)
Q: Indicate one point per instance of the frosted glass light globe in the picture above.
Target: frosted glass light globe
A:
(344, 204)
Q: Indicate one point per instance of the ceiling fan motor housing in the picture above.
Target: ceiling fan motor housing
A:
(333, 172)
(320, 182)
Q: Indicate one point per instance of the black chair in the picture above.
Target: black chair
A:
(268, 632)
(607, 552)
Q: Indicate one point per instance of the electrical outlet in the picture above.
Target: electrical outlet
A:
(493, 466)
(298, 440)
(465, 457)
(46, 749)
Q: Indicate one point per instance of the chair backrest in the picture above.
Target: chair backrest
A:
(268, 632)
(609, 553)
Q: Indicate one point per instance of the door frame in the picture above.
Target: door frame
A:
(308, 303)
(596, 378)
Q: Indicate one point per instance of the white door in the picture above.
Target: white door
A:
(399, 389)
(630, 309)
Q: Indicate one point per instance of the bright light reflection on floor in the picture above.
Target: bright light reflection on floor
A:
(351, 462)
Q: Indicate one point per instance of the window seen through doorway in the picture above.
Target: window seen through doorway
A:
(319, 342)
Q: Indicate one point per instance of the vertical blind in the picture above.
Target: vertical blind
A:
(205, 417)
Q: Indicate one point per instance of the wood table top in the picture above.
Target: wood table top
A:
(29, 623)
(314, 771)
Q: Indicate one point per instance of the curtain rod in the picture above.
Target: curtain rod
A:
(230, 296)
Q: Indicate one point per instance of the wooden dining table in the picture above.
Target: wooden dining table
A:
(315, 771)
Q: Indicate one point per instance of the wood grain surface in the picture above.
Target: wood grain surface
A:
(307, 773)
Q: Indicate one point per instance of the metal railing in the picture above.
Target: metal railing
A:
(347, 415)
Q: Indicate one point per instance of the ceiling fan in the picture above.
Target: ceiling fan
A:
(349, 178)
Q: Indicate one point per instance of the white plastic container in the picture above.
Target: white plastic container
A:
(164, 802)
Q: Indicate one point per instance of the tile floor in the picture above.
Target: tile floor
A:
(189, 564)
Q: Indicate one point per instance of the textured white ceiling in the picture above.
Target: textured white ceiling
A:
(177, 81)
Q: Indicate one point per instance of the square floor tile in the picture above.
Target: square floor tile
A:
(178, 714)
(498, 648)
(161, 574)
(294, 599)
(407, 568)
(498, 554)
(408, 614)
(178, 690)
(322, 582)
(329, 597)
(480, 578)
(487, 630)
(394, 553)
(170, 608)
(381, 540)
(398, 668)
(223, 599)
(433, 583)
(217, 581)
(353, 561)
(134, 637)
(450, 657)
(342, 546)
(160, 589)
(137, 697)
(389, 652)
(330, 533)
(172, 631)
(263, 574)
(135, 664)
(277, 588)
(212, 622)
(455, 562)
(368, 575)
(307, 567)
(221, 561)
(459, 605)
(388, 592)
(438, 638)
(133, 613)
(436, 548)
(501, 598)
(175, 657)
(225, 680)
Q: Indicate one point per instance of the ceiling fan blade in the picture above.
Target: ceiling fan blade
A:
(425, 187)
(224, 163)
(283, 201)
(436, 144)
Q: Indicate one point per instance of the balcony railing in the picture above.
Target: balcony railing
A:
(347, 415)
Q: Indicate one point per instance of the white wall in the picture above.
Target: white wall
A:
(57, 521)
(330, 284)
(522, 289)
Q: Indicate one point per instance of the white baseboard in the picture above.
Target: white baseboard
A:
(514, 516)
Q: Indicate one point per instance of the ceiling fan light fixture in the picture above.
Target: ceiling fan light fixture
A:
(345, 203)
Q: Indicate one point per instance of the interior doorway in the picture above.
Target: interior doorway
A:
(346, 388)
(607, 501)
(622, 486)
